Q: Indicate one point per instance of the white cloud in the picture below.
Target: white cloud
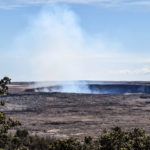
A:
(8, 4)
(141, 3)
(144, 70)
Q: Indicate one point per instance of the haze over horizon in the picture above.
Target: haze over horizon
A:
(52, 40)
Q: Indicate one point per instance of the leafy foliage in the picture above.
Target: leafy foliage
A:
(115, 139)
(5, 123)
(3, 85)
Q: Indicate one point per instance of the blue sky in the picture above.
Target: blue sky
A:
(45, 40)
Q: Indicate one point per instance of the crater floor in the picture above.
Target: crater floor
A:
(65, 115)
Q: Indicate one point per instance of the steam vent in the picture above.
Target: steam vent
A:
(94, 87)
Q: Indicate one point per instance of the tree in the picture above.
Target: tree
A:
(5, 122)
(3, 85)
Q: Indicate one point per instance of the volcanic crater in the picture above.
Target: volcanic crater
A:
(61, 114)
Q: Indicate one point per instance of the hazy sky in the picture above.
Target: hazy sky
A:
(44, 40)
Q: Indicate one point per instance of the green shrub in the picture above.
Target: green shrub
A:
(3, 85)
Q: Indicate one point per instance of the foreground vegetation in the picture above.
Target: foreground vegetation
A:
(114, 139)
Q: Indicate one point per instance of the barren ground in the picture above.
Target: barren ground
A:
(65, 115)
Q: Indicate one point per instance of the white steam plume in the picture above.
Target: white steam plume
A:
(55, 47)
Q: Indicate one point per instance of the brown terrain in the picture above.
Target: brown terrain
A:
(63, 115)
